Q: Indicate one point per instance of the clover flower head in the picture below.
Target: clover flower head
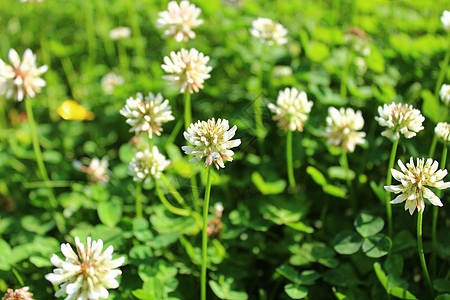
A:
(445, 19)
(87, 273)
(292, 109)
(21, 79)
(147, 164)
(18, 294)
(400, 118)
(188, 69)
(119, 33)
(269, 32)
(147, 114)
(110, 81)
(179, 20)
(97, 170)
(442, 131)
(414, 179)
(343, 128)
(211, 139)
(444, 92)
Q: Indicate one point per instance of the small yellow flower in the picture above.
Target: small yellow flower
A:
(71, 110)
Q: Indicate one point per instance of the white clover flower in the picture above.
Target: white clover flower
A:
(97, 170)
(269, 32)
(178, 21)
(442, 131)
(146, 165)
(22, 79)
(85, 274)
(413, 181)
(147, 115)
(444, 92)
(188, 69)
(400, 118)
(282, 71)
(292, 109)
(119, 33)
(445, 19)
(211, 139)
(110, 81)
(18, 294)
(342, 128)
(218, 208)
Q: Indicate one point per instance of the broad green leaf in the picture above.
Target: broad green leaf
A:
(431, 106)
(5, 253)
(296, 291)
(347, 242)
(441, 285)
(126, 153)
(317, 51)
(109, 213)
(223, 290)
(344, 275)
(335, 191)
(268, 188)
(377, 245)
(340, 173)
(443, 297)
(368, 225)
(143, 294)
(316, 175)
(300, 226)
(394, 291)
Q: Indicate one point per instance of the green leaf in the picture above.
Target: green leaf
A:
(5, 253)
(224, 290)
(296, 291)
(340, 173)
(377, 245)
(40, 262)
(335, 191)
(300, 226)
(347, 242)
(126, 153)
(268, 188)
(109, 213)
(443, 297)
(316, 175)
(441, 285)
(317, 52)
(394, 291)
(431, 107)
(143, 295)
(368, 225)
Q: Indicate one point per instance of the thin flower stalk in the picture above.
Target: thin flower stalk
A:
(139, 211)
(388, 183)
(345, 166)
(168, 205)
(260, 133)
(436, 214)
(289, 160)
(37, 151)
(205, 234)
(420, 249)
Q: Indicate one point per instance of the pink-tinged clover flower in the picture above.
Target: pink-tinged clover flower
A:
(343, 127)
(21, 79)
(400, 118)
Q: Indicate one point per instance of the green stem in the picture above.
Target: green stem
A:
(90, 30)
(289, 159)
(187, 109)
(37, 150)
(172, 190)
(19, 278)
(388, 183)
(168, 205)
(345, 71)
(3, 117)
(420, 249)
(443, 71)
(435, 216)
(187, 123)
(139, 213)
(174, 133)
(204, 234)
(123, 59)
(137, 35)
(257, 103)
(344, 162)
(433, 146)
